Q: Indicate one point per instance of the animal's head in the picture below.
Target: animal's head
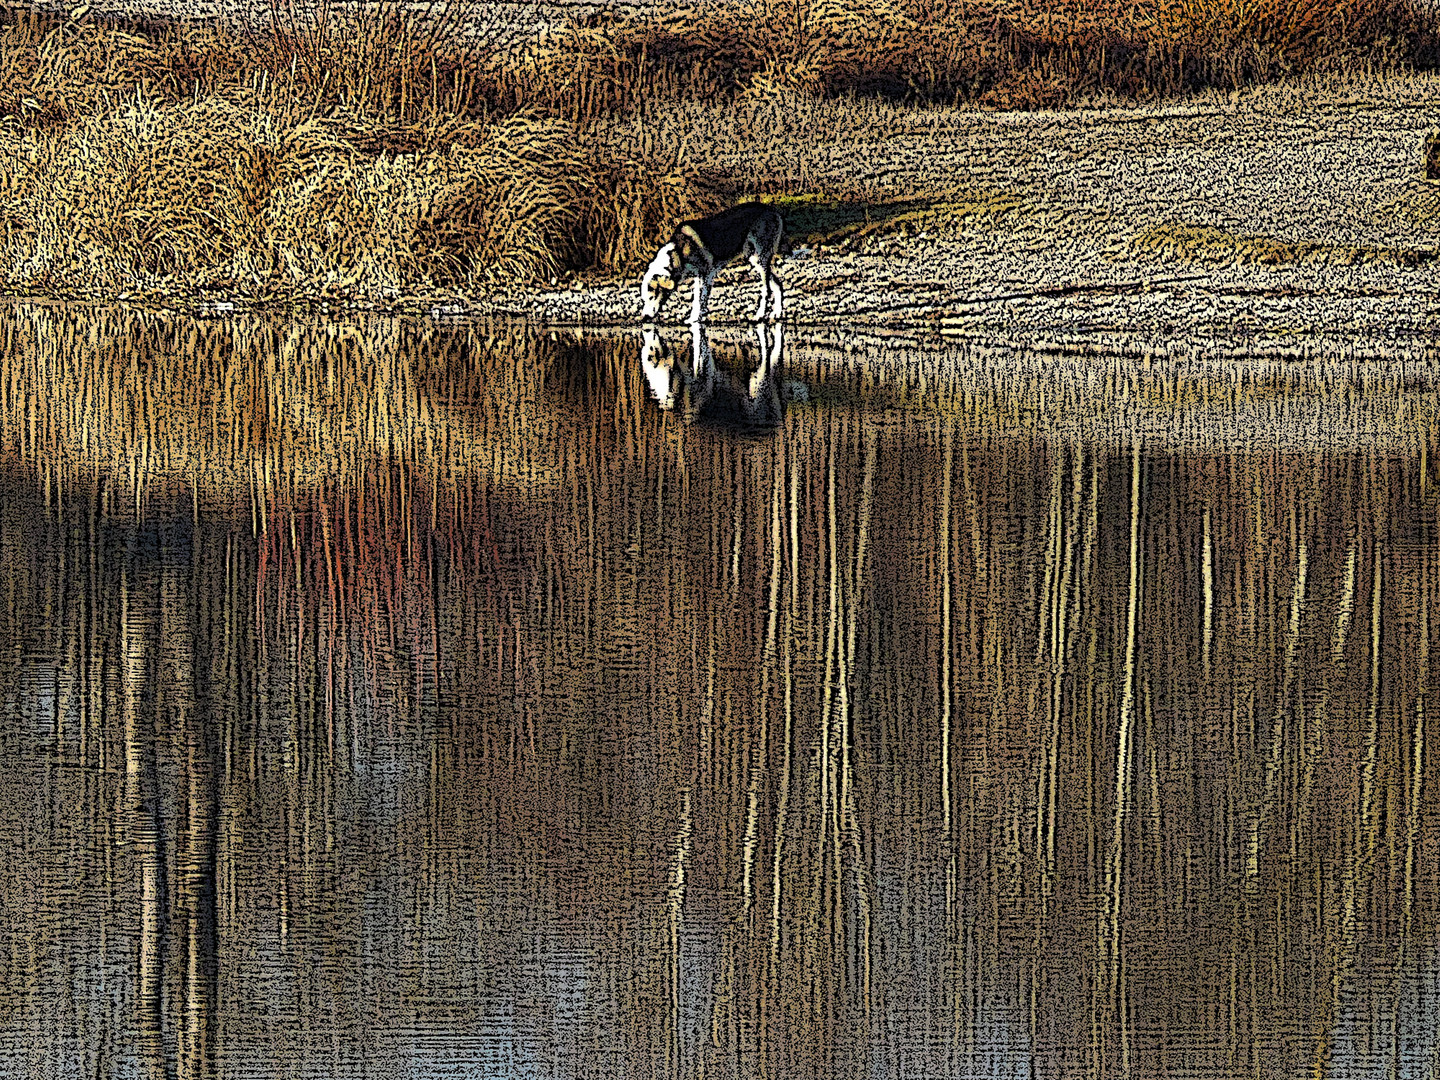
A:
(659, 280)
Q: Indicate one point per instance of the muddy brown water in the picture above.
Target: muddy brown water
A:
(388, 698)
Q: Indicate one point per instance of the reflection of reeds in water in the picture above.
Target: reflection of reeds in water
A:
(270, 408)
(1164, 403)
(249, 405)
(783, 782)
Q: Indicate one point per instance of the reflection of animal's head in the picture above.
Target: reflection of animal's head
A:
(691, 384)
(661, 372)
(660, 279)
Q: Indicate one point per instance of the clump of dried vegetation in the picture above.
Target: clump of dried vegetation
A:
(381, 150)
(999, 53)
(345, 156)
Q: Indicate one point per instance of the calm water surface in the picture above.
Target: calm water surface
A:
(388, 699)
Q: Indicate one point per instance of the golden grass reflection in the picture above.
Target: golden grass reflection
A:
(265, 405)
(938, 731)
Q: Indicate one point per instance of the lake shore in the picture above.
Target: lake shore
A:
(1278, 217)
(1287, 217)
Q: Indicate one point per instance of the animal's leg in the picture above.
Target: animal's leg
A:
(702, 296)
(651, 344)
(762, 267)
(705, 297)
(699, 351)
(660, 368)
(777, 298)
(777, 348)
(702, 385)
(763, 404)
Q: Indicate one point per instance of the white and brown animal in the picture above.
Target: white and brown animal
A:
(702, 246)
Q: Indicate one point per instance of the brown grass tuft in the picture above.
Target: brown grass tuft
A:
(1001, 53)
(54, 68)
(606, 63)
(241, 194)
(381, 59)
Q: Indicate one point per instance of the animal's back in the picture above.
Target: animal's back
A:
(746, 211)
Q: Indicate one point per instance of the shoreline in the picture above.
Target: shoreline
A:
(1278, 216)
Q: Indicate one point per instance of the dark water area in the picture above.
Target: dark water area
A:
(383, 698)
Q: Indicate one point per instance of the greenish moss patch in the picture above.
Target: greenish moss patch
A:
(1206, 244)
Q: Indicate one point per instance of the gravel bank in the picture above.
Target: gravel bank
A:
(1328, 166)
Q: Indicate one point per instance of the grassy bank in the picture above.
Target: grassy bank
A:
(361, 159)
(1011, 54)
(384, 152)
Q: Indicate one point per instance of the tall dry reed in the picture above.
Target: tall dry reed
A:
(1001, 53)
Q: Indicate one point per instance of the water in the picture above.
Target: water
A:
(381, 698)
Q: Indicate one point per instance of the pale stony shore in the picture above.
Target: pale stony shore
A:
(1335, 165)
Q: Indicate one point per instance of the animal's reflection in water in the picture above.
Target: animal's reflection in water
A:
(695, 388)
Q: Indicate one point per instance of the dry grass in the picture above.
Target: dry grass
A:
(379, 150)
(381, 59)
(149, 159)
(608, 63)
(1418, 208)
(999, 53)
(54, 69)
(246, 195)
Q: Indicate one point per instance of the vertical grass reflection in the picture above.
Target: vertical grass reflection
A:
(476, 710)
